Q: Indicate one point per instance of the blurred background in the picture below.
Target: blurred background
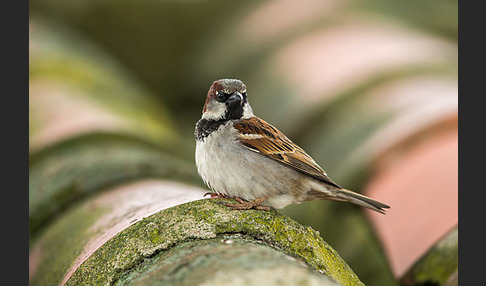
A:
(367, 88)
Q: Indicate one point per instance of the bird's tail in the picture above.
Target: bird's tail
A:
(352, 197)
(361, 200)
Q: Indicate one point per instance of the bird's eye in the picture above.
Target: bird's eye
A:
(244, 95)
(220, 96)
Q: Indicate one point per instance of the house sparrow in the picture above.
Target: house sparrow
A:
(240, 156)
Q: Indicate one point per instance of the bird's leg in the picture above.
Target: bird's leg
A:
(216, 195)
(244, 205)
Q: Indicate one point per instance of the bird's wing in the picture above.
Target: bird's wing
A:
(261, 137)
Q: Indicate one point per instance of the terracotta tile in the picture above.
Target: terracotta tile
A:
(421, 186)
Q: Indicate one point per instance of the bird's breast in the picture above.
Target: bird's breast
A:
(229, 168)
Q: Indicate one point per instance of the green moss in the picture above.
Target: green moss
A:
(438, 265)
(440, 262)
(224, 260)
(205, 219)
(349, 231)
(62, 243)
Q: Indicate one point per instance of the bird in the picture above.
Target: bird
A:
(242, 157)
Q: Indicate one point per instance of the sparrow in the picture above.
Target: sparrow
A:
(240, 156)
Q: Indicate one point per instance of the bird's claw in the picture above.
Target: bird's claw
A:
(246, 205)
(216, 195)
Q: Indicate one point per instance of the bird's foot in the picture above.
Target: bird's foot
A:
(216, 196)
(246, 205)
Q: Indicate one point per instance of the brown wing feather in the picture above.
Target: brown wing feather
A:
(259, 136)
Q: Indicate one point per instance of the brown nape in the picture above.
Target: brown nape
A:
(215, 87)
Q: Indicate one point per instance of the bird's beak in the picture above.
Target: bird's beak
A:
(235, 98)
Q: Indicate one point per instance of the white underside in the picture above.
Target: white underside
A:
(229, 168)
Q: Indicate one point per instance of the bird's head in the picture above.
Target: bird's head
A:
(227, 100)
